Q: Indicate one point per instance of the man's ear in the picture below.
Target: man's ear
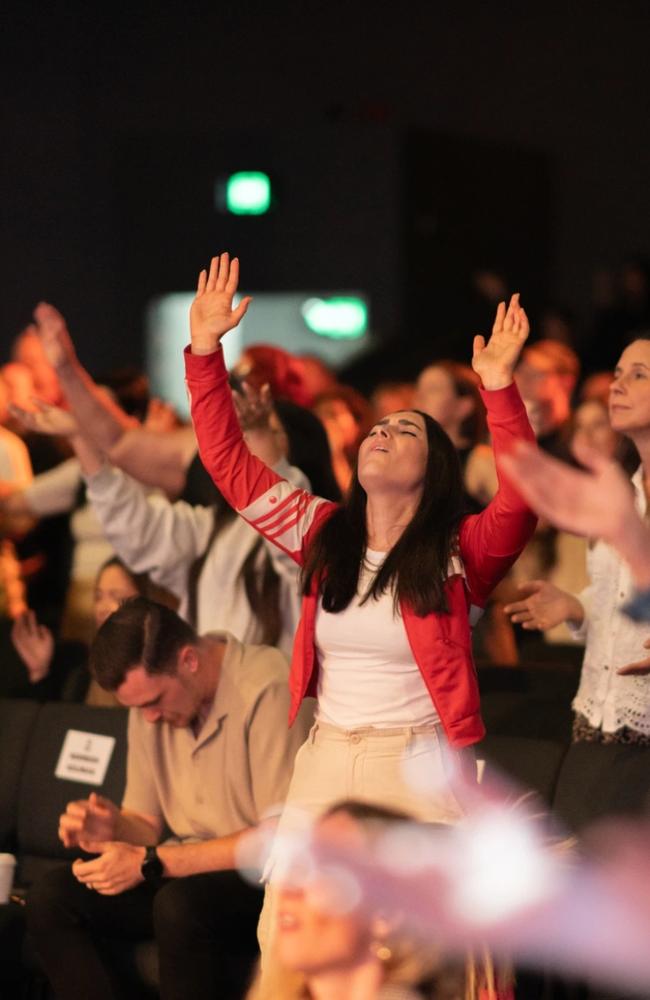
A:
(188, 659)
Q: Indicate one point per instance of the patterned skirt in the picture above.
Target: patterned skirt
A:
(584, 732)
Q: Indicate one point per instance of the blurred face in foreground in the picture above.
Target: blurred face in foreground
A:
(319, 930)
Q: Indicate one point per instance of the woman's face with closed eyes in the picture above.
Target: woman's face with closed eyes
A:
(393, 457)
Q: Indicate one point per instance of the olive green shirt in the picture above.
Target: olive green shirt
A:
(237, 770)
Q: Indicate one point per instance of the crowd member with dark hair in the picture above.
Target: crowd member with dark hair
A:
(209, 756)
(347, 418)
(48, 664)
(389, 578)
(60, 491)
(449, 392)
(547, 376)
(214, 563)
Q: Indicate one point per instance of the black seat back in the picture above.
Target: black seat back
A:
(43, 796)
(532, 764)
(599, 780)
(17, 720)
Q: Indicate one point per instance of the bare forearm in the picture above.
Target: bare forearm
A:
(215, 855)
(90, 457)
(135, 829)
(101, 418)
(156, 459)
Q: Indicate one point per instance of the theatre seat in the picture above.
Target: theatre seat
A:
(17, 720)
(599, 780)
(43, 796)
(533, 764)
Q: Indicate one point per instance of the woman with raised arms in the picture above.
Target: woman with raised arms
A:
(391, 578)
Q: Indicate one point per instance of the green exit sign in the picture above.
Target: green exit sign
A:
(341, 317)
(248, 192)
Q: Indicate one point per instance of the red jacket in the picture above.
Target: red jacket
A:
(489, 543)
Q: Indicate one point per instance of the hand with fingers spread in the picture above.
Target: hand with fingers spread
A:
(89, 820)
(46, 419)
(638, 669)
(495, 361)
(254, 407)
(54, 336)
(212, 314)
(543, 605)
(118, 867)
(34, 644)
(598, 503)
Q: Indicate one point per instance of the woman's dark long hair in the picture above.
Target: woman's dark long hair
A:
(416, 567)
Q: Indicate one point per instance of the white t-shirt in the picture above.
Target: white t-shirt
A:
(368, 675)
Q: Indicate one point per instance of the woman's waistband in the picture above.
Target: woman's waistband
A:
(329, 731)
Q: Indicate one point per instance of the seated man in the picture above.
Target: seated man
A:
(209, 756)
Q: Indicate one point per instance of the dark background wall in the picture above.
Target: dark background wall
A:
(114, 120)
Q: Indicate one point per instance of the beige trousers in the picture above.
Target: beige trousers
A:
(404, 769)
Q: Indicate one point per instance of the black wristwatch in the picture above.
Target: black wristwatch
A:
(152, 866)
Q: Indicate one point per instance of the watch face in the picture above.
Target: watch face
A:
(152, 865)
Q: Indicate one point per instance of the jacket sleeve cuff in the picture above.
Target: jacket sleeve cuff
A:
(502, 402)
(203, 366)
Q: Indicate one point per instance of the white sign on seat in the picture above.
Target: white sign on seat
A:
(85, 757)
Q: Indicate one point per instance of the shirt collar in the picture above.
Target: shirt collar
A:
(226, 688)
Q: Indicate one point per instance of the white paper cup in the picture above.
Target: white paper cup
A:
(7, 866)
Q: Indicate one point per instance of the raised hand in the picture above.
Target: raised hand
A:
(598, 503)
(495, 361)
(88, 820)
(54, 335)
(46, 419)
(543, 605)
(212, 314)
(254, 407)
(34, 644)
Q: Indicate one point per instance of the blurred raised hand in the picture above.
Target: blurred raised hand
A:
(254, 407)
(54, 336)
(46, 419)
(34, 644)
(598, 503)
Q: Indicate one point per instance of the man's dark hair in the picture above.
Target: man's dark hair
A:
(140, 633)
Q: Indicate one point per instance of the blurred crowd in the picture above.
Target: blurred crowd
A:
(105, 500)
